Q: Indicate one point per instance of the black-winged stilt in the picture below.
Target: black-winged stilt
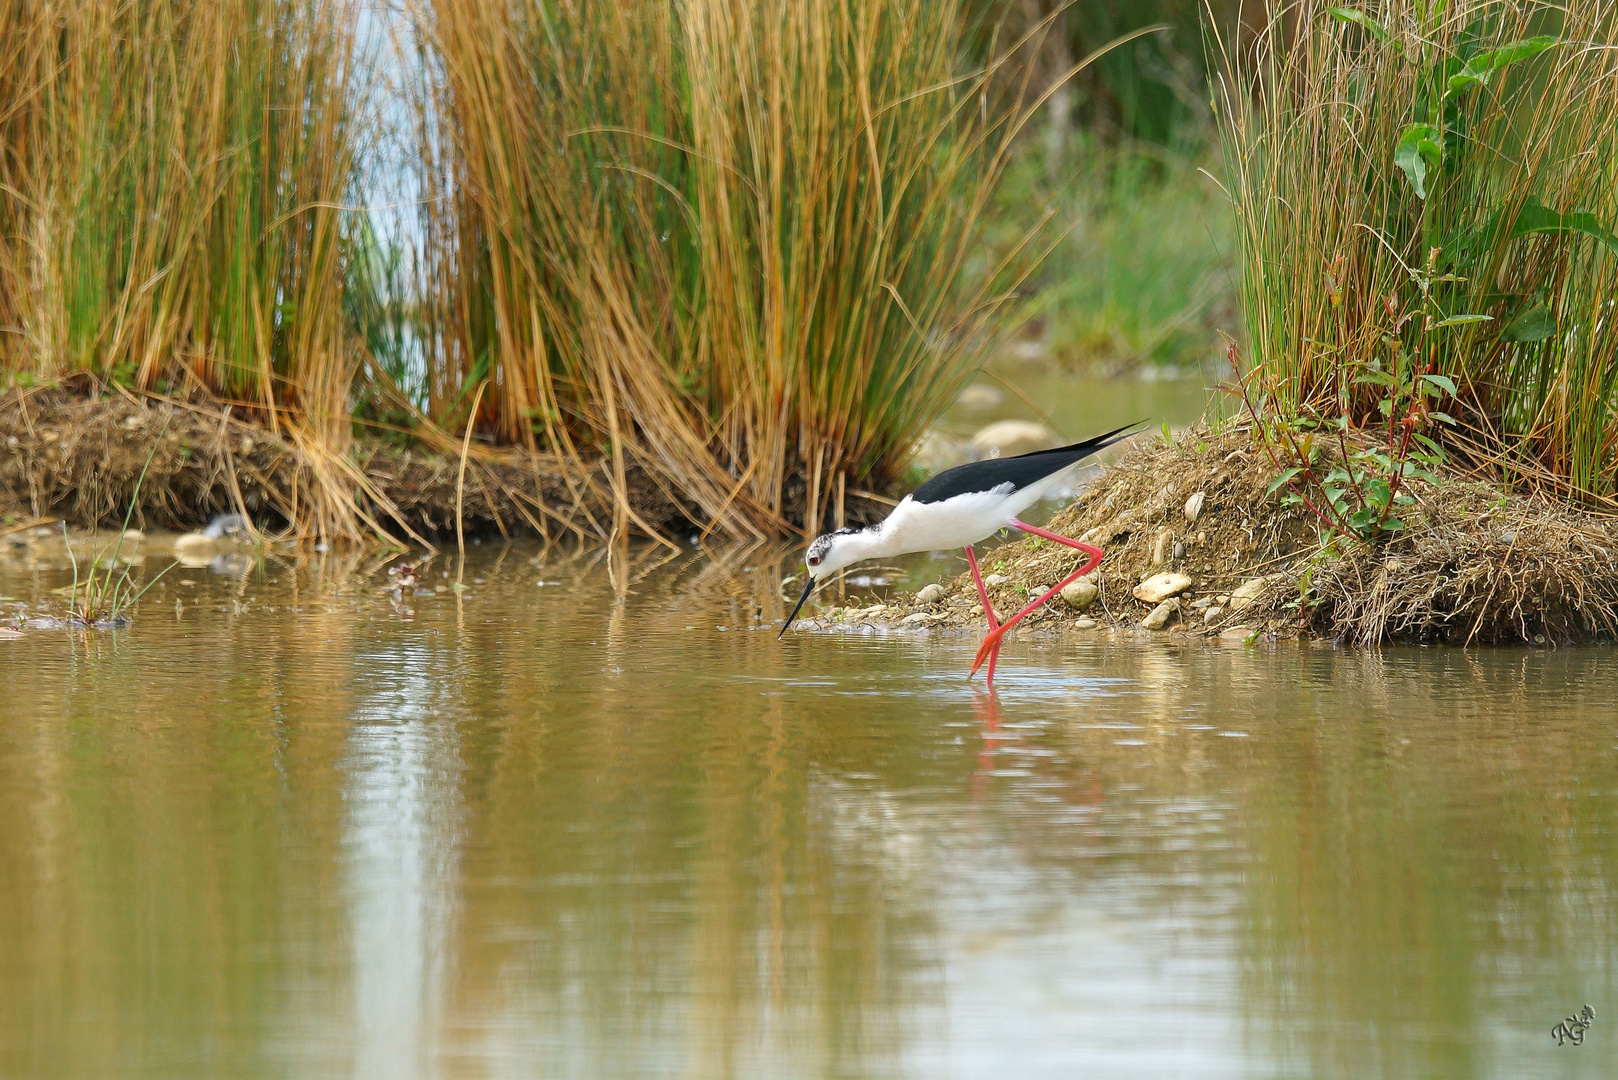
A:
(958, 508)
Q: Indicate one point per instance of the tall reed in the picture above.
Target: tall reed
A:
(732, 244)
(1427, 189)
(172, 180)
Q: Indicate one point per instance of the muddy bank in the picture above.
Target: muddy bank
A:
(77, 458)
(1195, 546)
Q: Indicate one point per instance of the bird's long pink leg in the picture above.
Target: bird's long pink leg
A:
(988, 609)
(992, 641)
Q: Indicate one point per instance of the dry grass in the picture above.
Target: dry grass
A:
(1477, 565)
(66, 456)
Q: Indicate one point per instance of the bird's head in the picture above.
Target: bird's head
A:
(826, 555)
(830, 553)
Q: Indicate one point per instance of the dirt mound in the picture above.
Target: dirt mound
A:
(1475, 564)
(78, 458)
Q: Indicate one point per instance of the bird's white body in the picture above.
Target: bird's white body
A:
(933, 526)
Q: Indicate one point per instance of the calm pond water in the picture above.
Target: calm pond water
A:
(286, 825)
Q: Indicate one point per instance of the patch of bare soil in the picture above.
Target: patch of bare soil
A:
(1475, 563)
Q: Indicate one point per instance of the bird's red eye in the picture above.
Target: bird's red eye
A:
(814, 560)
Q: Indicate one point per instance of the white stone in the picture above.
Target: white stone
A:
(979, 396)
(1159, 587)
(920, 618)
(1193, 505)
(930, 594)
(1080, 594)
(1237, 633)
(1085, 624)
(1008, 438)
(1160, 615)
(1247, 592)
(1211, 614)
(994, 581)
(1160, 546)
(936, 451)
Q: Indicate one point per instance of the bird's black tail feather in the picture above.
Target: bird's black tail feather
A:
(1084, 449)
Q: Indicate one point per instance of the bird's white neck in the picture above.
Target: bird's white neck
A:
(875, 542)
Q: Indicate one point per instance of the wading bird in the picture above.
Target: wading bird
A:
(958, 508)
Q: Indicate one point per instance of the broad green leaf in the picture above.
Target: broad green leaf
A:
(1281, 481)
(1360, 18)
(1481, 68)
(1535, 324)
(1443, 382)
(1392, 525)
(1418, 150)
(1536, 217)
(1462, 320)
(1442, 418)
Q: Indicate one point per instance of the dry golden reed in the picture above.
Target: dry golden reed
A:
(733, 245)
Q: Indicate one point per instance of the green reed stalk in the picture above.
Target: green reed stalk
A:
(1430, 188)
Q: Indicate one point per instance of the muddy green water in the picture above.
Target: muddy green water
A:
(286, 825)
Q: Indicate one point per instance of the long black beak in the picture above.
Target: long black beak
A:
(808, 587)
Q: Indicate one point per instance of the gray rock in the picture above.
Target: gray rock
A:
(1084, 624)
(1159, 587)
(920, 618)
(1161, 615)
(994, 581)
(1202, 603)
(1237, 633)
(1080, 594)
(1179, 551)
(930, 594)
(1211, 614)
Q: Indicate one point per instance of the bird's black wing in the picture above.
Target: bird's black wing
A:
(1019, 471)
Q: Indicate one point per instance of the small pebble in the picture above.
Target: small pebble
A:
(1211, 614)
(1193, 506)
(1084, 624)
(1179, 551)
(930, 594)
(994, 581)
(1161, 546)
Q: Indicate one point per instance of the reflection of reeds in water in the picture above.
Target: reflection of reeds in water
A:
(1416, 886)
(733, 244)
(663, 877)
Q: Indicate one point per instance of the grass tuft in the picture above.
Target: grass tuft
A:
(1426, 196)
